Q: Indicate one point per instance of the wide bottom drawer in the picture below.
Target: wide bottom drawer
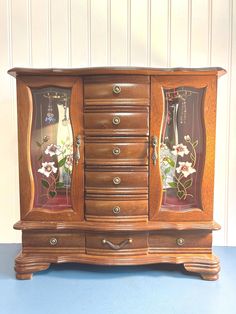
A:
(116, 243)
(40, 241)
(170, 241)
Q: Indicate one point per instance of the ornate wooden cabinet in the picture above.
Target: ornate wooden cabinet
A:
(116, 167)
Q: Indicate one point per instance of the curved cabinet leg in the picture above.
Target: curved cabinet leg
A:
(25, 266)
(208, 269)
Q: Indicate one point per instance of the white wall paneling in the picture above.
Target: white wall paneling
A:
(74, 33)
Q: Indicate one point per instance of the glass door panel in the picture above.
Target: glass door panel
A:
(52, 148)
(182, 147)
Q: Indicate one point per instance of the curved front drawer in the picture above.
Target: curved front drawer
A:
(112, 123)
(116, 153)
(116, 182)
(52, 241)
(113, 211)
(116, 86)
(116, 243)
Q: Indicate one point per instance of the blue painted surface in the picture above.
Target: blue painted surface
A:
(77, 288)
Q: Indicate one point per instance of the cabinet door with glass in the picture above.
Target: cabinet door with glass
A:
(182, 147)
(51, 159)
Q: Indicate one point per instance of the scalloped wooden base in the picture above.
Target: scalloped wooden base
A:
(206, 265)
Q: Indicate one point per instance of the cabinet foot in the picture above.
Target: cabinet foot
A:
(208, 270)
(25, 266)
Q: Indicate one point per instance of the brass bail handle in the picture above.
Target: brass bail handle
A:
(77, 153)
(154, 145)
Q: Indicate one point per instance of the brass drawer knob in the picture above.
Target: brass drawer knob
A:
(116, 89)
(116, 151)
(180, 241)
(116, 120)
(53, 241)
(117, 180)
(116, 210)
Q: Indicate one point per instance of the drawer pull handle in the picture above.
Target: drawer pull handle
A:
(116, 89)
(116, 120)
(154, 145)
(117, 246)
(77, 154)
(53, 241)
(180, 241)
(116, 210)
(116, 151)
(117, 180)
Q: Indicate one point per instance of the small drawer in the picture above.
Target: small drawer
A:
(116, 153)
(116, 243)
(113, 211)
(116, 86)
(116, 123)
(116, 182)
(52, 241)
(180, 241)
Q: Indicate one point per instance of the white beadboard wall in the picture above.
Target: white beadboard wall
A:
(78, 33)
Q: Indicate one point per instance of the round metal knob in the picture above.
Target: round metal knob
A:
(116, 120)
(116, 210)
(116, 151)
(116, 89)
(180, 241)
(117, 180)
(53, 241)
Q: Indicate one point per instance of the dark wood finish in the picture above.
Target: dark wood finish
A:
(139, 231)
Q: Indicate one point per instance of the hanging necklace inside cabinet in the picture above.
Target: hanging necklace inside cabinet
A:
(50, 118)
(65, 120)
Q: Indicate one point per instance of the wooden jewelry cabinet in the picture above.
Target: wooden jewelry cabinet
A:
(116, 167)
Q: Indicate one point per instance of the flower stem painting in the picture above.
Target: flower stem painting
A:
(182, 148)
(182, 174)
(61, 157)
(52, 148)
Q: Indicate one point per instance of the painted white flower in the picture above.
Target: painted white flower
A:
(53, 149)
(47, 168)
(185, 168)
(163, 146)
(180, 150)
(187, 138)
(69, 161)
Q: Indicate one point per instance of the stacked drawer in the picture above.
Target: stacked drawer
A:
(116, 122)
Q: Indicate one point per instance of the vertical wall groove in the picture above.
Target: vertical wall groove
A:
(69, 47)
(209, 31)
(108, 32)
(189, 31)
(230, 40)
(149, 34)
(49, 34)
(89, 30)
(128, 32)
(169, 34)
(29, 29)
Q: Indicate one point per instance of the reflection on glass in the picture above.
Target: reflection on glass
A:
(51, 147)
(182, 148)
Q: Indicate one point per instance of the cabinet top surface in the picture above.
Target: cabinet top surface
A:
(117, 70)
